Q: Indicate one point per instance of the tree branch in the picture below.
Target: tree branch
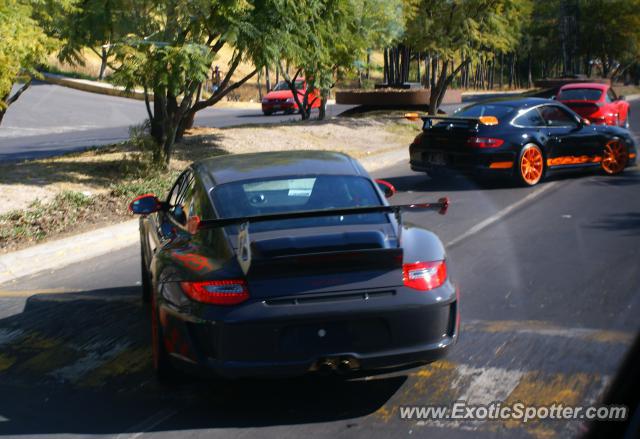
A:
(222, 92)
(17, 94)
(146, 103)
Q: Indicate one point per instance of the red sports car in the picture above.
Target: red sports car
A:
(281, 98)
(596, 102)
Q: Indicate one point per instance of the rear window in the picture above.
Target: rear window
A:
(282, 85)
(478, 110)
(580, 94)
(262, 197)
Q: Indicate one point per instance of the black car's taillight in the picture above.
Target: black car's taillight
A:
(217, 292)
(484, 142)
(424, 276)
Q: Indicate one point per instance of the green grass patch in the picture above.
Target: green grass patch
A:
(40, 219)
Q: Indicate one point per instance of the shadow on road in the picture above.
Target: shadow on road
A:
(80, 363)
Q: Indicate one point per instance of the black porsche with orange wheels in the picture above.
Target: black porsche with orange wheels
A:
(523, 140)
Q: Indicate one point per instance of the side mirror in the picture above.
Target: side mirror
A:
(387, 188)
(145, 204)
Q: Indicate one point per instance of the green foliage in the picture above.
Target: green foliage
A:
(23, 44)
(41, 218)
(325, 39)
(448, 28)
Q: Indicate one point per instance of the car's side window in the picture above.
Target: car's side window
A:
(529, 118)
(178, 196)
(555, 116)
(611, 96)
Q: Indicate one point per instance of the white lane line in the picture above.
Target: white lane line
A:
(501, 214)
(148, 424)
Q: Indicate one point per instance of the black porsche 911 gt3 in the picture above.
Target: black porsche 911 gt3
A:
(283, 263)
(524, 139)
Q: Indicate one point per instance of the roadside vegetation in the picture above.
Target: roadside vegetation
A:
(49, 198)
(189, 55)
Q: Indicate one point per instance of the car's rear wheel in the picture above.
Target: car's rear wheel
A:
(615, 157)
(267, 113)
(530, 168)
(165, 372)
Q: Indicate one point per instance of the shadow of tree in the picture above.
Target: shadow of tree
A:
(627, 223)
(101, 167)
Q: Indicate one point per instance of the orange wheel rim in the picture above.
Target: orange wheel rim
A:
(531, 165)
(615, 157)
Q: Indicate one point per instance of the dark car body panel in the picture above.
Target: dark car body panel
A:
(563, 147)
(343, 281)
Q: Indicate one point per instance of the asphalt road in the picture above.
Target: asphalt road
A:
(49, 120)
(550, 291)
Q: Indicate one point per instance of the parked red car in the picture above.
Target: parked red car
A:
(281, 98)
(596, 102)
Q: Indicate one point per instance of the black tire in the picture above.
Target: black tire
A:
(267, 113)
(541, 166)
(145, 278)
(165, 371)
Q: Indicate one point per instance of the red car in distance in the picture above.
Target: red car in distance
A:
(281, 98)
(596, 102)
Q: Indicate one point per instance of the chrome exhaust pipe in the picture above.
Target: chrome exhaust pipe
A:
(345, 366)
(325, 367)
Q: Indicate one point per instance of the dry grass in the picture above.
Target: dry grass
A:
(248, 92)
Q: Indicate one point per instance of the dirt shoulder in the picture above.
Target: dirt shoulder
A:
(51, 198)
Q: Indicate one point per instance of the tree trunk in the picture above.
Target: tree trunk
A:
(500, 83)
(385, 68)
(323, 104)
(529, 73)
(267, 78)
(427, 75)
(103, 63)
(368, 64)
(8, 100)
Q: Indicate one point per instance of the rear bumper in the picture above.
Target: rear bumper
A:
(377, 361)
(278, 106)
(401, 329)
(476, 162)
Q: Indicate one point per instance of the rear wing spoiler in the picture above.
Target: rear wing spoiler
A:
(194, 224)
(458, 122)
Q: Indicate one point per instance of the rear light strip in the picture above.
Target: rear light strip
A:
(217, 292)
(484, 142)
(424, 276)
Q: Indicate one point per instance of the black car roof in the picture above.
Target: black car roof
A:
(236, 167)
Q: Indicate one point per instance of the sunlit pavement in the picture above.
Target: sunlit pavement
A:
(550, 297)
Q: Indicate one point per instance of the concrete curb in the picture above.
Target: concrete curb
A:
(57, 254)
(94, 86)
(61, 253)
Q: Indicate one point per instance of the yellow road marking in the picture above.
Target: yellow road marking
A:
(538, 389)
(539, 327)
(6, 362)
(429, 385)
(127, 362)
